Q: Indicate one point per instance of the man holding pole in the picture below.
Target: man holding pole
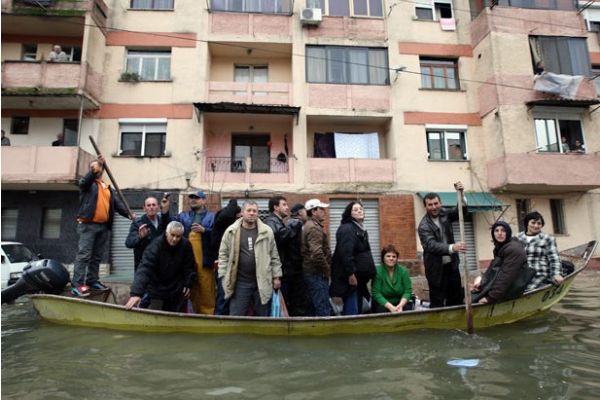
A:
(440, 252)
(97, 205)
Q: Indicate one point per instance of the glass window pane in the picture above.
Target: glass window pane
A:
(378, 67)
(148, 69)
(454, 142)
(260, 75)
(451, 81)
(51, 223)
(424, 13)
(316, 64)
(218, 5)
(339, 8)
(439, 80)
(360, 7)
(426, 78)
(260, 159)
(434, 145)
(155, 144)
(133, 64)
(358, 66)
(9, 223)
(164, 69)
(376, 8)
(336, 65)
(131, 143)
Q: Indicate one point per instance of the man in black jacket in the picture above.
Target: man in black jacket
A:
(440, 252)
(147, 227)
(167, 272)
(97, 206)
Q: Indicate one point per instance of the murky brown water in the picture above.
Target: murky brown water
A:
(555, 356)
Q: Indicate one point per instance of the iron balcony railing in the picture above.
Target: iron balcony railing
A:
(252, 165)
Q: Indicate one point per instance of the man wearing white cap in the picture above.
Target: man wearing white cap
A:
(316, 255)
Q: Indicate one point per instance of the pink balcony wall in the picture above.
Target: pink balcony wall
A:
(545, 172)
(249, 24)
(349, 97)
(41, 164)
(238, 92)
(346, 27)
(334, 170)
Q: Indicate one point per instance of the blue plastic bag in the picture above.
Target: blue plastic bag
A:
(275, 305)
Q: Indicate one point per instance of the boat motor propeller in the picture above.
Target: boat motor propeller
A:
(48, 276)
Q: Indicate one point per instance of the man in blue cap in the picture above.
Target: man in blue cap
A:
(198, 225)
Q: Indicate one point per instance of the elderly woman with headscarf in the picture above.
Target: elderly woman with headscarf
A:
(353, 266)
(503, 280)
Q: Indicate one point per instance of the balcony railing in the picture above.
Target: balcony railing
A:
(243, 165)
(282, 7)
(250, 93)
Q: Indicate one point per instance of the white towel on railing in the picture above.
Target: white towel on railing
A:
(356, 145)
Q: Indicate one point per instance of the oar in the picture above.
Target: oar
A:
(112, 179)
(468, 305)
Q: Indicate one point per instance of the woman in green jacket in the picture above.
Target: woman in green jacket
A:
(392, 288)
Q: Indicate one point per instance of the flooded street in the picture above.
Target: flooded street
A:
(554, 356)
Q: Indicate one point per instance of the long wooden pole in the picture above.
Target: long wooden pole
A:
(468, 305)
(112, 179)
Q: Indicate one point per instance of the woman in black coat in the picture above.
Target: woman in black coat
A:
(352, 267)
(503, 280)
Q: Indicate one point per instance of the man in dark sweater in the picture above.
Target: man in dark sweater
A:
(167, 272)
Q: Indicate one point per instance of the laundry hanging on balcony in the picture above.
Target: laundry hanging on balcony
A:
(356, 145)
(563, 85)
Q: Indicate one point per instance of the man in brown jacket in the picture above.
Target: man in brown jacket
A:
(316, 255)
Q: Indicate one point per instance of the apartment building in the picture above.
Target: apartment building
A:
(378, 100)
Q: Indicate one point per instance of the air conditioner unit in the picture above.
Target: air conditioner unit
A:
(311, 16)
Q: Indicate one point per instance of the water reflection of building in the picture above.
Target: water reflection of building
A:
(247, 101)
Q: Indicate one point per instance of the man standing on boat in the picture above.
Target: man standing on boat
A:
(249, 264)
(316, 257)
(167, 272)
(147, 227)
(97, 205)
(198, 225)
(440, 252)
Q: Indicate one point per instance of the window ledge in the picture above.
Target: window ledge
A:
(444, 161)
(443, 90)
(146, 81)
(150, 9)
(115, 155)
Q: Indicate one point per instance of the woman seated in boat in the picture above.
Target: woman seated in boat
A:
(392, 288)
(542, 253)
(501, 280)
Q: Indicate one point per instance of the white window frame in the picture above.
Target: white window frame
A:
(556, 115)
(131, 7)
(324, 6)
(445, 129)
(430, 4)
(155, 54)
(144, 123)
(591, 14)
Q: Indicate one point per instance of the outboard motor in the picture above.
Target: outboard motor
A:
(48, 276)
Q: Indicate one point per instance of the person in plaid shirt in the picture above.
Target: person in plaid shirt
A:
(542, 253)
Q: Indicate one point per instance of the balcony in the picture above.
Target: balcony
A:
(49, 85)
(349, 97)
(243, 170)
(251, 17)
(544, 173)
(34, 166)
(351, 28)
(350, 170)
(250, 93)
(59, 8)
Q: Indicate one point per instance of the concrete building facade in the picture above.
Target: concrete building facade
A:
(375, 100)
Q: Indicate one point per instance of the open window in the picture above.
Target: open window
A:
(363, 145)
(254, 146)
(348, 8)
(560, 55)
(559, 133)
(446, 144)
(434, 9)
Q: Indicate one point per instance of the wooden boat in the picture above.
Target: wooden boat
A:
(98, 314)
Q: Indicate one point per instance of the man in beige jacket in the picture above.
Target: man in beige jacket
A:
(249, 264)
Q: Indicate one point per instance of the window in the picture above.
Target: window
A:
(448, 145)
(253, 6)
(150, 65)
(561, 55)
(9, 223)
(254, 146)
(363, 145)
(523, 207)
(146, 139)
(539, 4)
(51, 218)
(70, 128)
(596, 77)
(439, 74)
(29, 52)
(152, 4)
(558, 216)
(348, 8)
(433, 9)
(550, 129)
(19, 125)
(251, 73)
(73, 52)
(347, 65)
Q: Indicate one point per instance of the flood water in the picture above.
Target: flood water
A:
(554, 356)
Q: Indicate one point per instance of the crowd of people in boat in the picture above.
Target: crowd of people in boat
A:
(232, 262)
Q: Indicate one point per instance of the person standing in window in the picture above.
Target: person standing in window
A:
(542, 252)
(564, 144)
(60, 140)
(58, 55)
(353, 265)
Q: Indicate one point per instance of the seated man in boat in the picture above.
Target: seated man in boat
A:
(249, 264)
(167, 272)
(440, 252)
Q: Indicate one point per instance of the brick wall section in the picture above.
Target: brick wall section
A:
(397, 224)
